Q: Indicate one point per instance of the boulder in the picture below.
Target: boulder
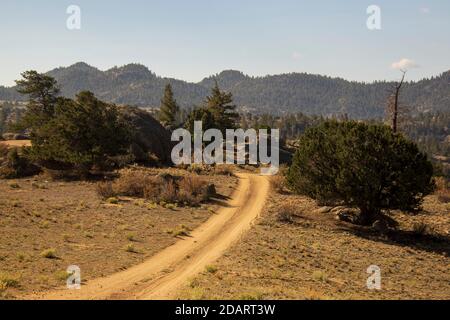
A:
(323, 210)
(347, 214)
(149, 136)
(14, 136)
(336, 210)
(381, 226)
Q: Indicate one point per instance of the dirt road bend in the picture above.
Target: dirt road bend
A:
(161, 276)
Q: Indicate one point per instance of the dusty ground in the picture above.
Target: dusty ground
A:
(69, 217)
(162, 275)
(17, 143)
(317, 257)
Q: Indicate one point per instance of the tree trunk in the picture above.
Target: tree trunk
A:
(368, 216)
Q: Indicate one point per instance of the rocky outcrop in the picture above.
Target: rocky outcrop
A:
(150, 138)
(14, 136)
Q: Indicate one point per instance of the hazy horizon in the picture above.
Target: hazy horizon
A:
(218, 72)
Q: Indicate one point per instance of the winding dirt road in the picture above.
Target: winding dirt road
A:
(164, 274)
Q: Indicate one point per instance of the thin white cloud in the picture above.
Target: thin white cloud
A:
(404, 64)
(425, 10)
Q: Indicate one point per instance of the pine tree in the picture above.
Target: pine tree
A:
(169, 108)
(220, 105)
(42, 91)
(361, 165)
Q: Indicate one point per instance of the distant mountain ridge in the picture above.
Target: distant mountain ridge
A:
(135, 84)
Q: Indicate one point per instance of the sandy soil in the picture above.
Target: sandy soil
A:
(318, 257)
(162, 275)
(38, 214)
(17, 143)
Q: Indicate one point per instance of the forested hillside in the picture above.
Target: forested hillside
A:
(279, 94)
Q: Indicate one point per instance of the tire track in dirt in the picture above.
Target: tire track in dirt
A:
(161, 276)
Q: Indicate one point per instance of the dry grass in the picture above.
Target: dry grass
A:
(105, 189)
(193, 184)
(168, 193)
(443, 189)
(3, 150)
(278, 183)
(132, 183)
(224, 169)
(186, 190)
(84, 229)
(287, 212)
(9, 281)
(211, 269)
(320, 258)
(49, 254)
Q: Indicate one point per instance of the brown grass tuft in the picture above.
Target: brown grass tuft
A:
(131, 183)
(278, 183)
(286, 213)
(443, 189)
(3, 150)
(189, 190)
(105, 190)
(193, 184)
(169, 192)
(224, 170)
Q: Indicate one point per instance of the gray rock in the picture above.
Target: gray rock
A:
(323, 210)
(149, 137)
(381, 226)
(14, 136)
(336, 210)
(347, 214)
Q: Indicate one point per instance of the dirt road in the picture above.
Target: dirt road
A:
(17, 143)
(162, 275)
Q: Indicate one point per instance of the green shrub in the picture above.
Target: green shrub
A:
(17, 166)
(77, 135)
(367, 166)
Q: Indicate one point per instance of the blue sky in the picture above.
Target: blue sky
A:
(193, 39)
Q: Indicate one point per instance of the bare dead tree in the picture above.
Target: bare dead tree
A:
(393, 106)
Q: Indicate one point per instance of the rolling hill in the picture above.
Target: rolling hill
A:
(135, 84)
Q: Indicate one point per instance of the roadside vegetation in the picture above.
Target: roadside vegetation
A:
(96, 187)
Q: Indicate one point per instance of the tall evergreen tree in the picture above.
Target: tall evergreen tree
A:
(83, 133)
(169, 108)
(42, 91)
(219, 103)
(218, 112)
